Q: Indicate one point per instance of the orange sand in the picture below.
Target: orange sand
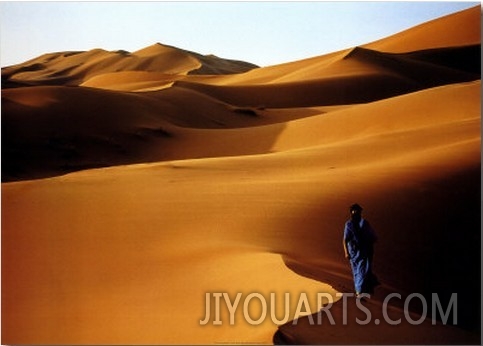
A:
(208, 181)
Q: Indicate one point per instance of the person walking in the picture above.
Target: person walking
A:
(358, 243)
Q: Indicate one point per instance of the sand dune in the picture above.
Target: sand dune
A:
(148, 123)
(189, 175)
(74, 68)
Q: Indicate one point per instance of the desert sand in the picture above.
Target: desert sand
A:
(133, 184)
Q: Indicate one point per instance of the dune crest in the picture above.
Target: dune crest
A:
(137, 184)
(448, 31)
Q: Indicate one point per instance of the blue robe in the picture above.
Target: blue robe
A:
(359, 239)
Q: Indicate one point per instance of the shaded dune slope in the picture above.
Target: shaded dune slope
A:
(72, 129)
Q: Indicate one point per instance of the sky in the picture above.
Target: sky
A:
(263, 33)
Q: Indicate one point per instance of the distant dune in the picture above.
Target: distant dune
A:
(74, 68)
(133, 184)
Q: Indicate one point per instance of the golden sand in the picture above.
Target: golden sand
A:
(184, 183)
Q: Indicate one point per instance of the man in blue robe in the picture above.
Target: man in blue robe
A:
(359, 239)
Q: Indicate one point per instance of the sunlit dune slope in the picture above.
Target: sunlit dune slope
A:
(132, 81)
(454, 30)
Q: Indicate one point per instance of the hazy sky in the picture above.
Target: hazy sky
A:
(264, 33)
